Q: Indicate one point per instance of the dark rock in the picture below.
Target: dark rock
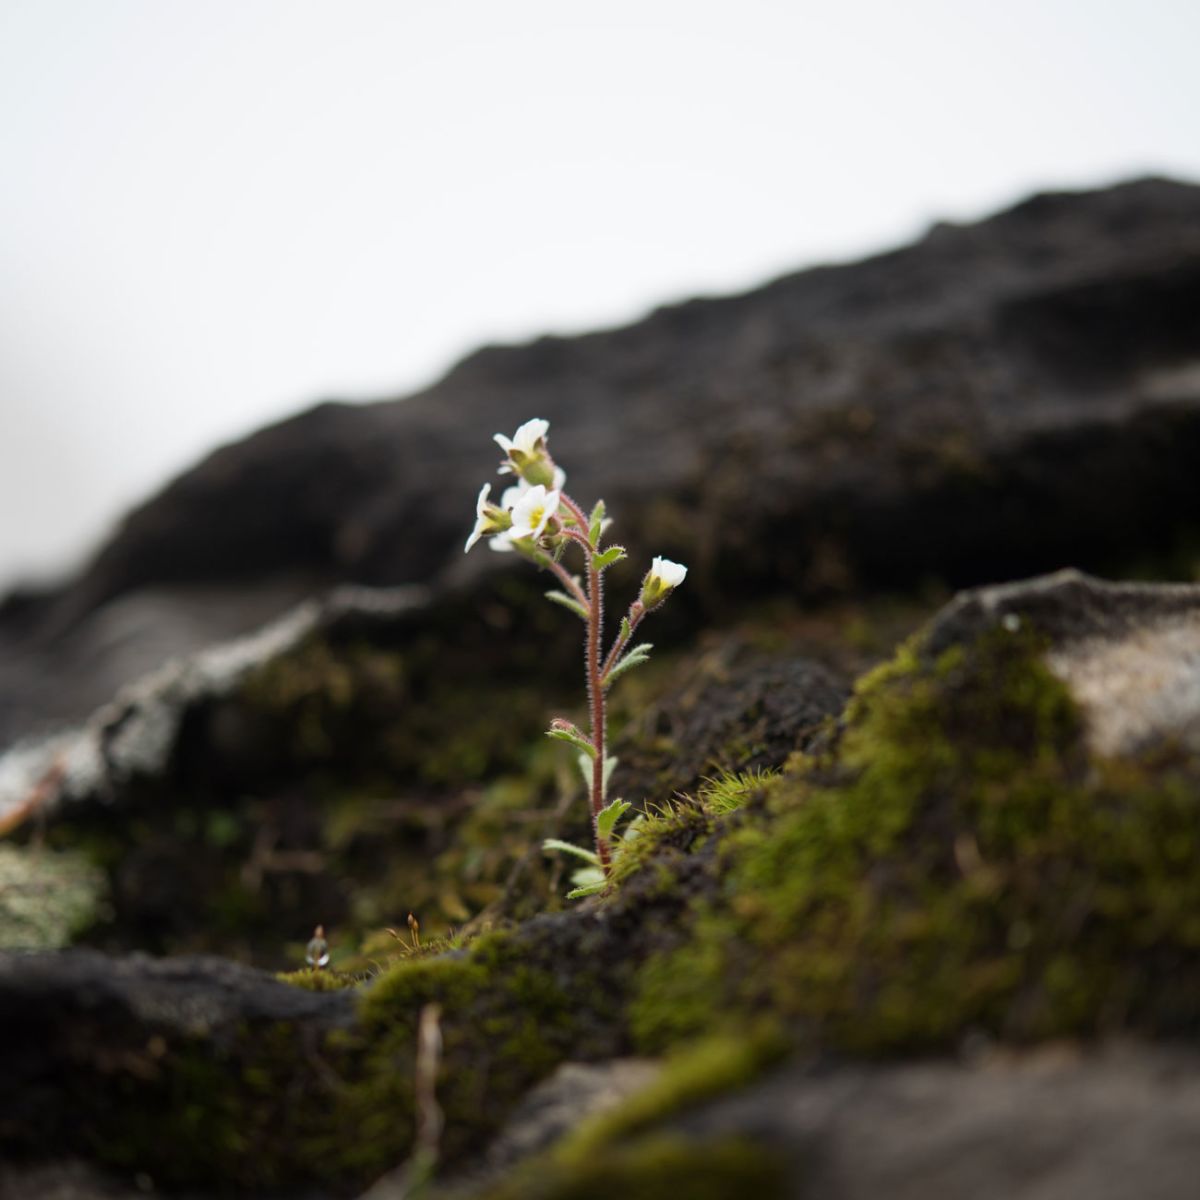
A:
(83, 1029)
(994, 400)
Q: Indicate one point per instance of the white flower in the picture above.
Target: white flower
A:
(671, 574)
(489, 519)
(526, 438)
(661, 580)
(526, 453)
(532, 512)
(511, 495)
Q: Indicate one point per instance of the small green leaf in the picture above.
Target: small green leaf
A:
(607, 818)
(634, 829)
(588, 881)
(630, 659)
(575, 738)
(570, 602)
(613, 554)
(595, 522)
(590, 889)
(584, 876)
(626, 630)
(557, 845)
(610, 765)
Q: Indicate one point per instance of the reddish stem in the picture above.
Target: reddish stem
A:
(595, 606)
(596, 697)
(567, 580)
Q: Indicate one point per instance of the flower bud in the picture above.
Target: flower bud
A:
(661, 580)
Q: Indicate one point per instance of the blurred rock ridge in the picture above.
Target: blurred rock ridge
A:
(914, 905)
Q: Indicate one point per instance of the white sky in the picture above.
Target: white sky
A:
(215, 212)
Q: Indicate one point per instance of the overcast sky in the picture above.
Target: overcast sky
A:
(215, 212)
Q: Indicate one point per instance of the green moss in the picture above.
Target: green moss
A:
(47, 898)
(696, 1072)
(956, 864)
(728, 791)
(658, 1166)
(510, 1013)
(319, 981)
(660, 840)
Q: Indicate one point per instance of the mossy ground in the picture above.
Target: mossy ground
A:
(948, 860)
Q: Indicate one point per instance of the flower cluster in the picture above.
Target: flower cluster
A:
(537, 519)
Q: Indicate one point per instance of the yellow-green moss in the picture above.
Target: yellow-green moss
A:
(652, 1167)
(959, 864)
(694, 1073)
(47, 898)
(319, 981)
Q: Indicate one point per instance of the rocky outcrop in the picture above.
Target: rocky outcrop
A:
(965, 867)
(941, 934)
(963, 407)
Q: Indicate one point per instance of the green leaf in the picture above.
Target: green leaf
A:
(630, 659)
(585, 769)
(607, 818)
(610, 765)
(626, 630)
(595, 521)
(570, 602)
(592, 889)
(613, 554)
(588, 881)
(634, 829)
(576, 739)
(557, 845)
(588, 875)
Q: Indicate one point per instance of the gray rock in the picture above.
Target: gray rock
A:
(1052, 1124)
(134, 735)
(1129, 652)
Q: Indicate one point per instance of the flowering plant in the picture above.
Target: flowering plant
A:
(538, 520)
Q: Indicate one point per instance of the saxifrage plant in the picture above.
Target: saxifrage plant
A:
(537, 519)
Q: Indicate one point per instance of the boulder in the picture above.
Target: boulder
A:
(994, 400)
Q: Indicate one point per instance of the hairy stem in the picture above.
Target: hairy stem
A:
(567, 580)
(595, 685)
(596, 698)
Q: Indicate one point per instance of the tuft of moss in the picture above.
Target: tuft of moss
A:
(47, 898)
(957, 863)
(730, 790)
(656, 1166)
(694, 1073)
(319, 981)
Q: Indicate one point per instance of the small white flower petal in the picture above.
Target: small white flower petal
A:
(480, 517)
(671, 574)
(529, 434)
(532, 512)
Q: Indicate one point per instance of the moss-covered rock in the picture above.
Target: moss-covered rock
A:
(954, 857)
(957, 862)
